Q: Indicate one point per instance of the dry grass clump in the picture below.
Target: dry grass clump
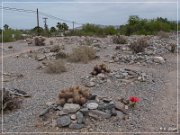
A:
(39, 41)
(10, 47)
(61, 55)
(173, 48)
(119, 39)
(163, 34)
(57, 66)
(51, 42)
(73, 95)
(82, 54)
(55, 48)
(9, 101)
(139, 45)
(102, 68)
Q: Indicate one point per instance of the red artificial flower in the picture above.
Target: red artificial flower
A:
(134, 99)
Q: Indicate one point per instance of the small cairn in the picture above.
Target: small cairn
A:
(102, 68)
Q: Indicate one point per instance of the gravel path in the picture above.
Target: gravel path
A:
(158, 106)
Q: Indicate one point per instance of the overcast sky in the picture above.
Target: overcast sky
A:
(98, 13)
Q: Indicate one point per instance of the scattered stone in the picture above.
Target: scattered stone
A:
(73, 117)
(71, 108)
(99, 114)
(50, 103)
(84, 111)
(63, 121)
(92, 106)
(76, 126)
(159, 59)
(107, 100)
(60, 113)
(40, 57)
(91, 84)
(80, 117)
(101, 76)
(92, 97)
(113, 112)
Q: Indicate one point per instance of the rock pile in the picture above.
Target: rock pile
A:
(39, 41)
(102, 68)
(46, 53)
(137, 58)
(74, 115)
(116, 75)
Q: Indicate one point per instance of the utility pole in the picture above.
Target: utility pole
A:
(45, 23)
(73, 25)
(38, 21)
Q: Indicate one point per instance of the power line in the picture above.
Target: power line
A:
(42, 13)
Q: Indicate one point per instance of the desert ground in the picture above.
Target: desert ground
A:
(156, 111)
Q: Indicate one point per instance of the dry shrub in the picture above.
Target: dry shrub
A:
(57, 66)
(82, 54)
(55, 48)
(51, 42)
(73, 95)
(139, 45)
(119, 39)
(39, 41)
(10, 47)
(9, 101)
(163, 34)
(102, 68)
(173, 48)
(61, 55)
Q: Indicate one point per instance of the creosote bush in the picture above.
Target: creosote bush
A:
(139, 45)
(57, 66)
(82, 54)
(119, 39)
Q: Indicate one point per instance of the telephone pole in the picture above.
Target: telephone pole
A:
(73, 25)
(45, 23)
(37, 21)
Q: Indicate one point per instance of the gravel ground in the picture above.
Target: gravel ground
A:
(158, 106)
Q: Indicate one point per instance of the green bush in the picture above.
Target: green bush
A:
(141, 26)
(11, 35)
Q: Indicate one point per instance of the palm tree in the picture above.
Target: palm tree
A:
(52, 29)
(6, 27)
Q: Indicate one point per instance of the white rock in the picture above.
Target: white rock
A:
(101, 76)
(91, 84)
(92, 106)
(159, 59)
